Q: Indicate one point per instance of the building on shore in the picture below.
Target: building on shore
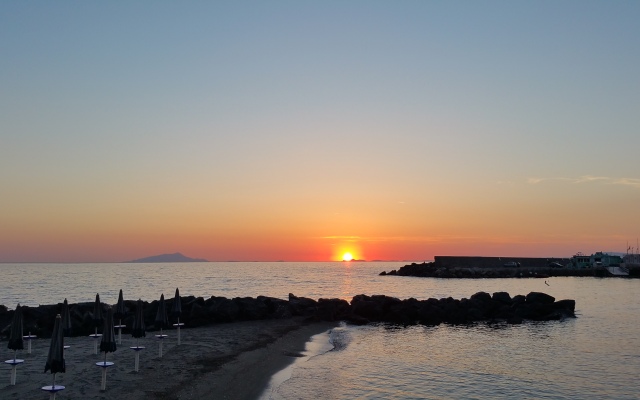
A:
(598, 259)
(631, 259)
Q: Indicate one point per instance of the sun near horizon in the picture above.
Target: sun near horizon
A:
(347, 257)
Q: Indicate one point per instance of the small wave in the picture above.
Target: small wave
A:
(340, 338)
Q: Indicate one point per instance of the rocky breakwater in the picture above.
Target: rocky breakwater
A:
(481, 306)
(433, 270)
(363, 309)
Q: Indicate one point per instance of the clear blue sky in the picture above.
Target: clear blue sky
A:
(296, 129)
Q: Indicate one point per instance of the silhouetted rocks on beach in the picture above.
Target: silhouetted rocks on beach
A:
(363, 309)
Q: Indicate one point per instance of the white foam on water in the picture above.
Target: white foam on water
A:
(317, 345)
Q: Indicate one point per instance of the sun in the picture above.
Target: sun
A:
(347, 257)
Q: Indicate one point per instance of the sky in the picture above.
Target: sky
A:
(300, 130)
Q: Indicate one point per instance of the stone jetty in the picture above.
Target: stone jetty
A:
(363, 309)
(500, 267)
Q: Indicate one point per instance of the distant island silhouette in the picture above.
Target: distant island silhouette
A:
(175, 257)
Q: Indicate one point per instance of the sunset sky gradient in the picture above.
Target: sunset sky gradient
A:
(297, 130)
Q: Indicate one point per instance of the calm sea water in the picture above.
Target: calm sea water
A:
(595, 356)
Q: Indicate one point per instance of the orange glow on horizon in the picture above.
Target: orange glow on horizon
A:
(349, 251)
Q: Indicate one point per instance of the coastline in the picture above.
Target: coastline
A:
(248, 375)
(223, 361)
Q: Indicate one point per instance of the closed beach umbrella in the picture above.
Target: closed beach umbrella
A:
(161, 321)
(119, 314)
(139, 328)
(107, 345)
(138, 331)
(108, 342)
(120, 311)
(55, 359)
(161, 315)
(66, 318)
(176, 311)
(98, 319)
(16, 341)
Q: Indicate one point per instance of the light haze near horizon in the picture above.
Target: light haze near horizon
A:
(299, 131)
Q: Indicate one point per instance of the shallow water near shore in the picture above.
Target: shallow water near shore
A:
(596, 355)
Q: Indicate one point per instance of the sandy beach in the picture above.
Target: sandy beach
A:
(224, 361)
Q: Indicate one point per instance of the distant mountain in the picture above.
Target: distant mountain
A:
(175, 257)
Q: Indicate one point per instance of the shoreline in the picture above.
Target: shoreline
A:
(249, 373)
(223, 361)
(318, 344)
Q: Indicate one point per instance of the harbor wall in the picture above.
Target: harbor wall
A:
(495, 262)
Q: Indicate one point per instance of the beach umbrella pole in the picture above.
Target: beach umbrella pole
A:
(95, 341)
(120, 331)
(14, 367)
(137, 349)
(103, 385)
(52, 395)
(178, 331)
(13, 374)
(29, 344)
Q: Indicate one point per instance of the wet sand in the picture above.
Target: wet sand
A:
(224, 361)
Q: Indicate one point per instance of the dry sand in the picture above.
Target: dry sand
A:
(225, 361)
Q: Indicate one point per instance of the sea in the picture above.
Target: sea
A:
(593, 356)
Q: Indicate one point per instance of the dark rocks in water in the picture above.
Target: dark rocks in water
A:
(363, 309)
(537, 297)
(567, 305)
(502, 297)
(302, 305)
(332, 309)
(481, 296)
(480, 307)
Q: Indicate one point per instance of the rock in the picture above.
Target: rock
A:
(332, 309)
(537, 297)
(567, 305)
(502, 297)
(224, 310)
(518, 299)
(364, 306)
(251, 309)
(481, 296)
(302, 305)
(429, 313)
